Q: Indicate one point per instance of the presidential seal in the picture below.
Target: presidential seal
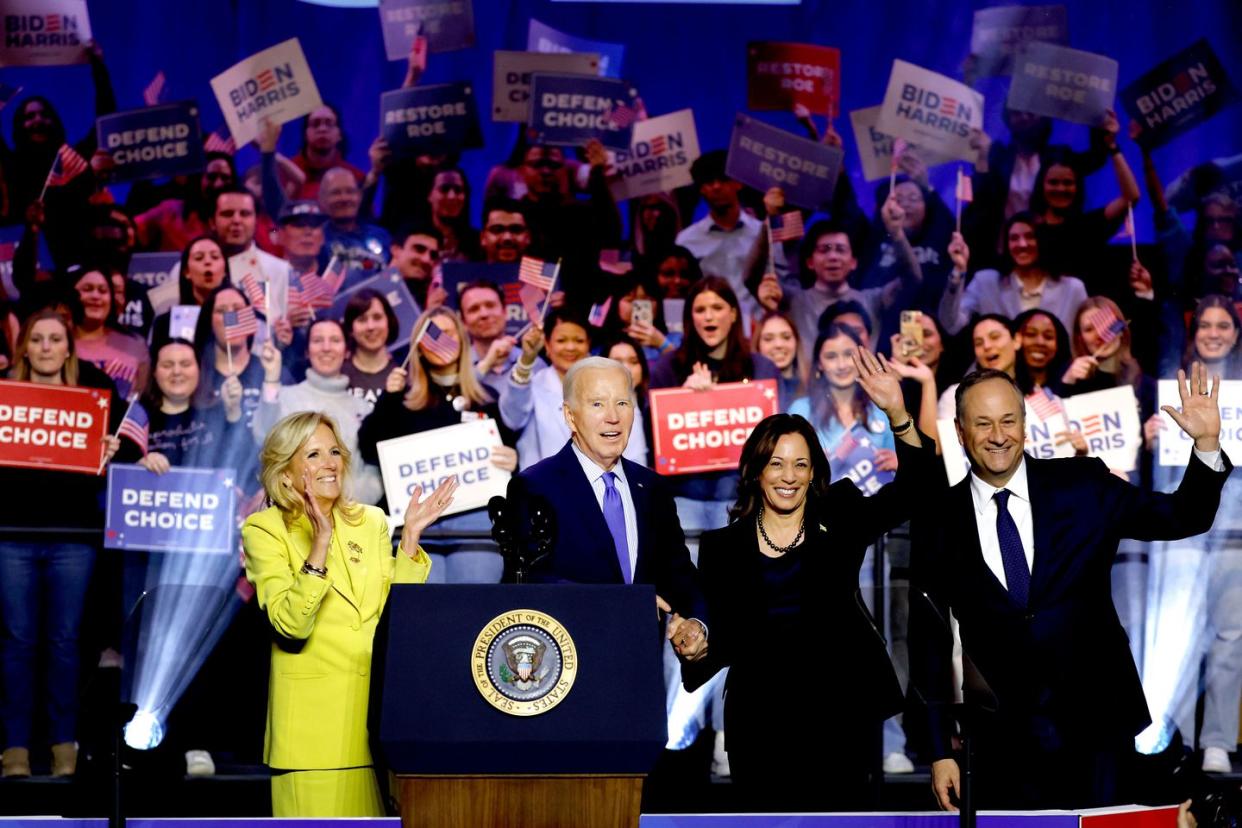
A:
(524, 662)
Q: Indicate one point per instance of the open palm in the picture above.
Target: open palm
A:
(1199, 416)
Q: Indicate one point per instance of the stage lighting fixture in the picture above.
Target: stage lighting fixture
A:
(144, 731)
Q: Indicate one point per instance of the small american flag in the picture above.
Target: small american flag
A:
(1044, 403)
(899, 149)
(316, 291)
(334, 274)
(120, 369)
(437, 342)
(240, 324)
(532, 301)
(1107, 326)
(786, 226)
(154, 90)
(848, 443)
(136, 426)
(1130, 222)
(67, 166)
(537, 273)
(622, 115)
(965, 187)
(216, 143)
(599, 312)
(254, 292)
(299, 309)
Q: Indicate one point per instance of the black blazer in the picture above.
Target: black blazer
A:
(583, 551)
(1061, 666)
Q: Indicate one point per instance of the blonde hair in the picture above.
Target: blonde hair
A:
(1128, 370)
(418, 395)
(21, 365)
(283, 443)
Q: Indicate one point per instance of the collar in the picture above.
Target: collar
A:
(593, 470)
(319, 382)
(984, 492)
(745, 221)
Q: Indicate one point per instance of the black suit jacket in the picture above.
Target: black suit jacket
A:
(583, 551)
(1061, 667)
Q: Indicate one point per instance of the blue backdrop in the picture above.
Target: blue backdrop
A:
(676, 55)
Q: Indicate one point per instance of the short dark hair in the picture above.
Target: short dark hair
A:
(358, 304)
(235, 189)
(416, 228)
(565, 313)
(975, 378)
(505, 205)
(708, 167)
(480, 284)
(758, 451)
(816, 232)
(836, 310)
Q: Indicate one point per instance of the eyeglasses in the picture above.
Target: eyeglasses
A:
(322, 123)
(511, 229)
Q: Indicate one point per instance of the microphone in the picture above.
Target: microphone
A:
(542, 526)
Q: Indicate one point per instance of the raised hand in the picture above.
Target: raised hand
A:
(394, 383)
(321, 522)
(879, 380)
(421, 513)
(959, 253)
(1200, 413)
(700, 378)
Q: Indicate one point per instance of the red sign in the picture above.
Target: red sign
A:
(53, 426)
(780, 75)
(696, 431)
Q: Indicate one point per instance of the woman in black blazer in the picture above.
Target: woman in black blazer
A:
(810, 681)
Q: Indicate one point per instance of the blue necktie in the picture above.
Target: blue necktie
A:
(1017, 574)
(614, 516)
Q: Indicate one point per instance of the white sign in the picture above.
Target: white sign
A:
(1175, 446)
(275, 83)
(1109, 421)
(44, 32)
(956, 466)
(182, 321)
(931, 111)
(1040, 442)
(658, 159)
(876, 149)
(429, 458)
(511, 73)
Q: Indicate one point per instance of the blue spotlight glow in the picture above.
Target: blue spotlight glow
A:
(144, 731)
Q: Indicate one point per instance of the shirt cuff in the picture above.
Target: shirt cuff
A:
(1211, 459)
(701, 624)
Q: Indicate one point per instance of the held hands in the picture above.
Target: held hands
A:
(880, 380)
(1200, 413)
(420, 513)
(946, 778)
(688, 635)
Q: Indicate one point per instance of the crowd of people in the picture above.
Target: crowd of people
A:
(1028, 286)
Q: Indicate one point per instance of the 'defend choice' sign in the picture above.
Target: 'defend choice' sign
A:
(182, 510)
(154, 142)
(570, 110)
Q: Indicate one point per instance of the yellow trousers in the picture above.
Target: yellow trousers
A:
(353, 792)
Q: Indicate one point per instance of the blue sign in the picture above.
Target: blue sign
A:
(448, 25)
(1178, 95)
(1062, 83)
(182, 510)
(392, 286)
(456, 275)
(231, 822)
(10, 240)
(764, 156)
(541, 37)
(569, 110)
(429, 119)
(155, 142)
(151, 269)
(854, 457)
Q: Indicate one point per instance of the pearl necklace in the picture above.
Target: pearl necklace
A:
(781, 550)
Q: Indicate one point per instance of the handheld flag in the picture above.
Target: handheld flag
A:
(622, 115)
(532, 301)
(965, 194)
(787, 226)
(316, 291)
(1130, 232)
(1044, 403)
(136, 426)
(66, 166)
(334, 274)
(216, 143)
(537, 273)
(436, 341)
(240, 324)
(154, 90)
(254, 292)
(1107, 326)
(599, 312)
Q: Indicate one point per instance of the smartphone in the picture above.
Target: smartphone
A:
(912, 333)
(642, 312)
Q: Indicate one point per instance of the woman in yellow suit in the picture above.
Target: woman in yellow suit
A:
(322, 566)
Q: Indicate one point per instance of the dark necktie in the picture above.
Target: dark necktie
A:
(614, 516)
(1017, 574)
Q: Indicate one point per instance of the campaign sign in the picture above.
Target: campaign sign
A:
(454, 276)
(392, 286)
(780, 75)
(876, 149)
(569, 110)
(999, 31)
(426, 119)
(10, 241)
(1062, 83)
(1109, 421)
(854, 458)
(696, 431)
(448, 25)
(44, 32)
(155, 142)
(1041, 435)
(59, 427)
(182, 510)
(183, 321)
(541, 37)
(764, 156)
(1175, 445)
(429, 458)
(512, 71)
(658, 159)
(151, 269)
(1178, 95)
(956, 464)
(931, 111)
(275, 83)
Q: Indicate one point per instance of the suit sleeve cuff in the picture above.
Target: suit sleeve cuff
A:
(1214, 460)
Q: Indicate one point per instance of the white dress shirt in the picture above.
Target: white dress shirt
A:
(595, 474)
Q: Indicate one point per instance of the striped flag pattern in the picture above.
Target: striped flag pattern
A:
(136, 427)
(254, 292)
(1044, 403)
(437, 342)
(899, 149)
(965, 187)
(154, 90)
(240, 324)
(537, 273)
(67, 166)
(215, 143)
(1106, 323)
(316, 291)
(787, 226)
(120, 369)
(622, 115)
(334, 274)
(599, 312)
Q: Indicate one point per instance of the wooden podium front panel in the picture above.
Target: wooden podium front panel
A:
(519, 801)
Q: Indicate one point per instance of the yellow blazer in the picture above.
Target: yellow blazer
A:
(321, 654)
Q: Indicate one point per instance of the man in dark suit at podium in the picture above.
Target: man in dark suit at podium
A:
(1021, 552)
(614, 521)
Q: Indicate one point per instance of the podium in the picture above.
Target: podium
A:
(518, 704)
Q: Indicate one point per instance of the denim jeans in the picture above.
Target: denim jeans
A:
(464, 560)
(42, 584)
